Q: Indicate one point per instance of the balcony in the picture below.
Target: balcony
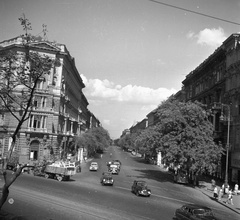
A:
(41, 130)
(217, 106)
(42, 109)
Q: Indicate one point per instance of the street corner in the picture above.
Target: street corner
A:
(235, 206)
(206, 189)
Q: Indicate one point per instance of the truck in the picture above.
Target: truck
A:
(59, 170)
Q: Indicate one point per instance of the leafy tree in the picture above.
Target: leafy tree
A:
(125, 142)
(19, 74)
(102, 138)
(95, 139)
(148, 141)
(186, 136)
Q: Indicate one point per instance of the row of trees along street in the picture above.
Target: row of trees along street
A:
(184, 136)
(20, 73)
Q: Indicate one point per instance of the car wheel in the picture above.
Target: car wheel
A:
(137, 193)
(59, 178)
(46, 175)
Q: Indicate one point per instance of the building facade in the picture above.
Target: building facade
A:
(60, 108)
(216, 83)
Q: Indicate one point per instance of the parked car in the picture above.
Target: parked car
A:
(106, 179)
(140, 187)
(93, 166)
(194, 212)
(181, 176)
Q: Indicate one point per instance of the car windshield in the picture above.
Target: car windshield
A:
(142, 184)
(208, 213)
(199, 211)
(94, 164)
(203, 212)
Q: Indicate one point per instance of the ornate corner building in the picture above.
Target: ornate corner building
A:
(60, 108)
(216, 83)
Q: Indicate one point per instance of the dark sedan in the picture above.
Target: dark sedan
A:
(106, 179)
(194, 212)
(140, 187)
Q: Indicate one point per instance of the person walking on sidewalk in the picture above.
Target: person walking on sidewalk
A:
(215, 192)
(230, 197)
(236, 189)
(220, 194)
(213, 182)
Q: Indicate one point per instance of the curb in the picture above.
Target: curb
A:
(222, 203)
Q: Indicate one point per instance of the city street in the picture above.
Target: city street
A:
(83, 197)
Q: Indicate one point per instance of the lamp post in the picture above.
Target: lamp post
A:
(228, 137)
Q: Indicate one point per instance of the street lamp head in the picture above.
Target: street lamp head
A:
(221, 117)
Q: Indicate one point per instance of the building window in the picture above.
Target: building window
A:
(1, 119)
(39, 84)
(40, 101)
(43, 101)
(37, 122)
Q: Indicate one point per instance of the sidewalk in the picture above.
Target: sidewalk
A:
(206, 188)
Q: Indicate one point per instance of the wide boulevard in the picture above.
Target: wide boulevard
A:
(83, 197)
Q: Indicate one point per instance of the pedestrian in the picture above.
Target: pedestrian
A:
(220, 193)
(215, 192)
(213, 184)
(236, 189)
(230, 197)
(226, 188)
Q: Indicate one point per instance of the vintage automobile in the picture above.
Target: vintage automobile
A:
(181, 176)
(93, 166)
(113, 168)
(106, 179)
(118, 163)
(140, 187)
(194, 212)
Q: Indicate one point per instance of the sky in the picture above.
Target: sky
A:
(131, 54)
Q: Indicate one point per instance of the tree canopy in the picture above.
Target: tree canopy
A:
(183, 134)
(94, 140)
(187, 136)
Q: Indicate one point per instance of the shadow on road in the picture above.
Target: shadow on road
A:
(154, 172)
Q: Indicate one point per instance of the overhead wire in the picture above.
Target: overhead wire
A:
(195, 12)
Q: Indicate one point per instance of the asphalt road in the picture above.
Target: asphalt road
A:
(83, 197)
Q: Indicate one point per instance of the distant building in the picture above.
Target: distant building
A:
(139, 126)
